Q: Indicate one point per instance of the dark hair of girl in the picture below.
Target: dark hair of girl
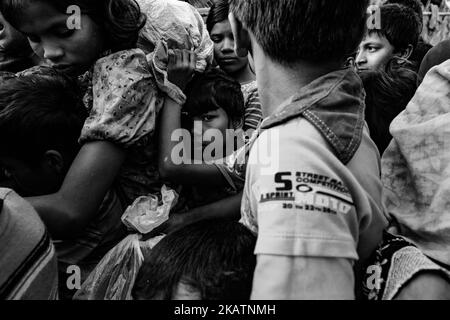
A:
(210, 91)
(218, 13)
(388, 92)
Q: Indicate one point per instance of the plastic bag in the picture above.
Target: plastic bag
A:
(115, 275)
(148, 213)
(173, 24)
(180, 24)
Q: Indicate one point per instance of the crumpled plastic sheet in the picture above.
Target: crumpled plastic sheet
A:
(147, 213)
(179, 25)
(173, 24)
(115, 275)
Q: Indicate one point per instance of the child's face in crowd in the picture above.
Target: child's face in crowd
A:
(216, 119)
(186, 292)
(182, 292)
(71, 50)
(375, 51)
(224, 54)
(26, 180)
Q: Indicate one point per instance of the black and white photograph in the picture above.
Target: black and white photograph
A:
(224, 155)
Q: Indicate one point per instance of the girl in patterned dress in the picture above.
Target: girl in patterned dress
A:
(125, 88)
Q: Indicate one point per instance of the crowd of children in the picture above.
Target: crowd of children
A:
(307, 155)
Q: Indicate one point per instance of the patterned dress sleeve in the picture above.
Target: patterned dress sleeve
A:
(125, 100)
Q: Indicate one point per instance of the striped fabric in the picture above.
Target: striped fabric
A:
(200, 3)
(253, 113)
(28, 267)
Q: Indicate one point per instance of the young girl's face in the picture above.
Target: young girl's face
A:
(222, 36)
(72, 50)
(216, 119)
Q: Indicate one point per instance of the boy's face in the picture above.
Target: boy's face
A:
(223, 39)
(186, 292)
(26, 180)
(215, 119)
(375, 51)
(72, 50)
(182, 291)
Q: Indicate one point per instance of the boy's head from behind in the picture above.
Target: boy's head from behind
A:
(290, 31)
(216, 100)
(210, 260)
(398, 37)
(41, 117)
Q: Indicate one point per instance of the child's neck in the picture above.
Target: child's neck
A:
(277, 83)
(243, 76)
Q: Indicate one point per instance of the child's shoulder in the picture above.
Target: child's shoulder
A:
(249, 86)
(123, 99)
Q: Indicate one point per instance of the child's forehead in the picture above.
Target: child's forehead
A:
(222, 27)
(376, 36)
(185, 291)
(208, 110)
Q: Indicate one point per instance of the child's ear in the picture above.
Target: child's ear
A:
(242, 42)
(236, 124)
(406, 53)
(54, 161)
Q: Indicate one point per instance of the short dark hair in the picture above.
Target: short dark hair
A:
(400, 26)
(120, 19)
(212, 90)
(214, 257)
(388, 92)
(313, 30)
(40, 112)
(217, 13)
(412, 4)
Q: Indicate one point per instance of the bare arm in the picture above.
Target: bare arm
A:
(426, 286)
(67, 212)
(302, 278)
(228, 208)
(184, 173)
(181, 68)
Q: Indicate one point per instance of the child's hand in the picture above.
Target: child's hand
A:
(181, 67)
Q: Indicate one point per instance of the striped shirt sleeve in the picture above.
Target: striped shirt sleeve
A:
(253, 111)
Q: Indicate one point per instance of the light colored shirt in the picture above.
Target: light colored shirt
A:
(314, 215)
